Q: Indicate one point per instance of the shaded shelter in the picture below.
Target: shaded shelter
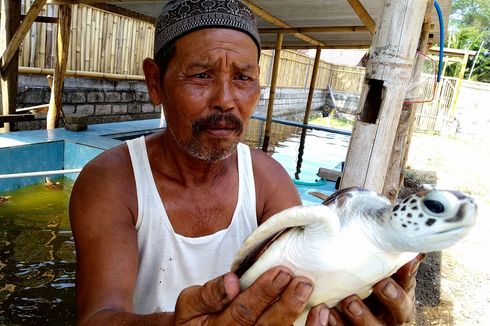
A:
(285, 24)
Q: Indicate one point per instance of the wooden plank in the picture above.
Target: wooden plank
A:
(328, 174)
(21, 32)
(388, 72)
(363, 15)
(10, 11)
(272, 92)
(9, 118)
(356, 167)
(60, 67)
(43, 19)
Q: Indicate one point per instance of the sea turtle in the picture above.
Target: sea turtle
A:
(4, 199)
(355, 239)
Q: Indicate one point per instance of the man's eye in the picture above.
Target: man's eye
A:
(243, 77)
(201, 75)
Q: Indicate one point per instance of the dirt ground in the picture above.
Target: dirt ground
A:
(453, 286)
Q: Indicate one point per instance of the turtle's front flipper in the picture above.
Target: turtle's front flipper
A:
(317, 222)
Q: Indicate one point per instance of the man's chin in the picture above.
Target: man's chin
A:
(213, 151)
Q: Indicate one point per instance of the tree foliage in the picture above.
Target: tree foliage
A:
(469, 26)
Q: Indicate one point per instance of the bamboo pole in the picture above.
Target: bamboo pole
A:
(21, 32)
(401, 146)
(82, 74)
(312, 86)
(387, 74)
(113, 46)
(363, 15)
(272, 92)
(60, 68)
(10, 11)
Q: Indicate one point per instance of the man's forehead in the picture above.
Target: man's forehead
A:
(209, 43)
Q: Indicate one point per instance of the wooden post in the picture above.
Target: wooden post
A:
(312, 85)
(10, 20)
(401, 146)
(388, 72)
(20, 33)
(60, 66)
(272, 92)
(459, 82)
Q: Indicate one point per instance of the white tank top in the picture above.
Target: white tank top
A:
(170, 262)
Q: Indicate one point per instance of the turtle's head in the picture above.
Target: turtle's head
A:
(432, 220)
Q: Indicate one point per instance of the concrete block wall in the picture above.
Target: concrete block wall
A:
(114, 101)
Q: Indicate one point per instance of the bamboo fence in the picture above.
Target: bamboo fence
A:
(103, 42)
(100, 41)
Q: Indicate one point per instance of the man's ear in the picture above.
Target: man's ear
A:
(153, 81)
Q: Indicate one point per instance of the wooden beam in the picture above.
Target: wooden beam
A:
(43, 19)
(319, 29)
(363, 15)
(10, 10)
(360, 45)
(279, 23)
(123, 12)
(82, 74)
(272, 92)
(9, 118)
(312, 86)
(21, 32)
(388, 72)
(55, 101)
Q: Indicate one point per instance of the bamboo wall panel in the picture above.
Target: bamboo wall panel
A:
(100, 41)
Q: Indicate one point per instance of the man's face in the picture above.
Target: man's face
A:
(210, 90)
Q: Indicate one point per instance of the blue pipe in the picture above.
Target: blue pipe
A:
(441, 40)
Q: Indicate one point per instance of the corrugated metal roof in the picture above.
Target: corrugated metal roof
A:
(301, 14)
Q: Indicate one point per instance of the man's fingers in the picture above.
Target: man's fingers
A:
(405, 276)
(357, 313)
(318, 315)
(249, 305)
(400, 304)
(290, 305)
(210, 298)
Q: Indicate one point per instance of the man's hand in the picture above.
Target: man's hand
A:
(392, 301)
(275, 298)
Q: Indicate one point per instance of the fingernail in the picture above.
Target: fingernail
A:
(421, 256)
(324, 316)
(355, 308)
(332, 320)
(415, 269)
(390, 291)
(303, 290)
(281, 280)
(221, 294)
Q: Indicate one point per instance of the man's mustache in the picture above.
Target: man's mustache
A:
(217, 120)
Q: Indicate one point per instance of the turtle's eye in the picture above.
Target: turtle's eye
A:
(434, 206)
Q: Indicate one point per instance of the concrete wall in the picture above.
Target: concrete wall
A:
(112, 101)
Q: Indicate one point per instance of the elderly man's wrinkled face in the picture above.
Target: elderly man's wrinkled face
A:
(211, 88)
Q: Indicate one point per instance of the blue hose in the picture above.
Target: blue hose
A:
(441, 40)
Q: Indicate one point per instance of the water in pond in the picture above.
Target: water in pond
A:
(37, 257)
(37, 252)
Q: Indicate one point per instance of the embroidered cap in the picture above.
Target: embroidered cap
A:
(180, 17)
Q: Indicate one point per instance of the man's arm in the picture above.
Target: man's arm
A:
(102, 214)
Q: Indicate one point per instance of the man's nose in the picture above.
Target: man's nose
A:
(223, 99)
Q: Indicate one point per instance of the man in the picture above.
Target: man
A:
(160, 216)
